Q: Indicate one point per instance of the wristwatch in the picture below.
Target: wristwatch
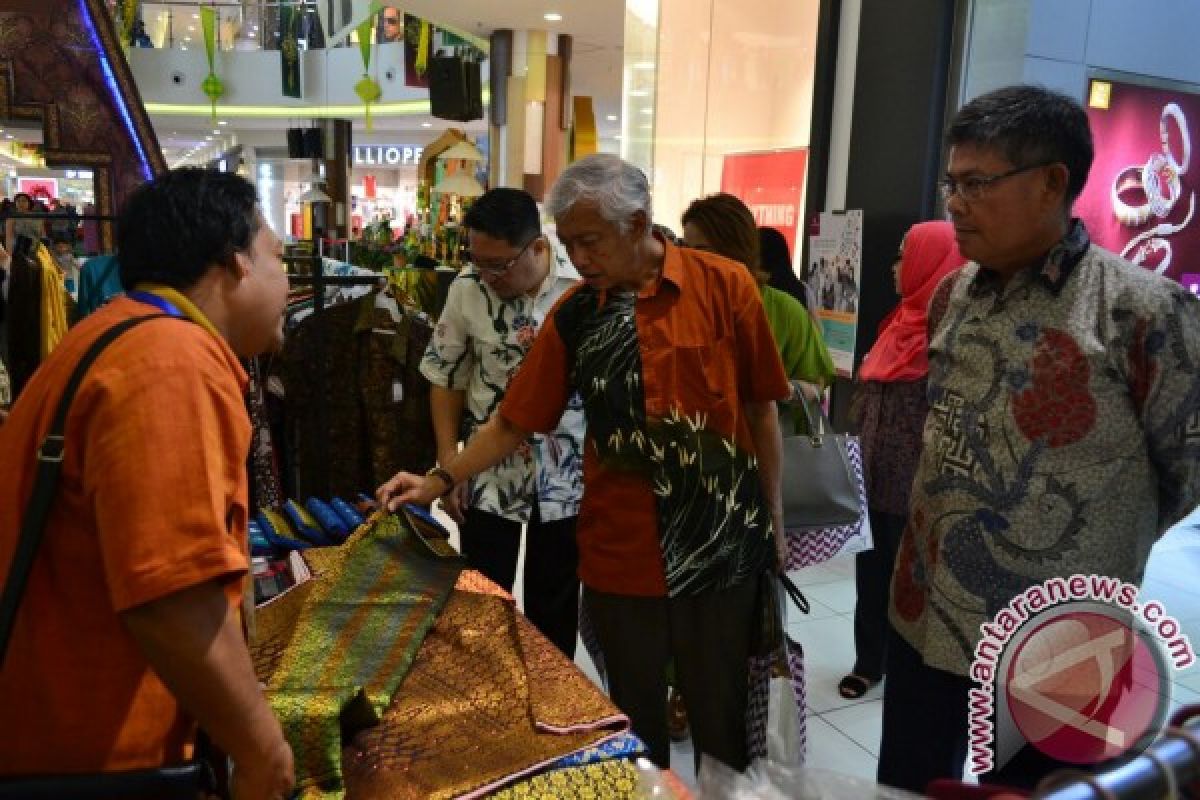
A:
(442, 474)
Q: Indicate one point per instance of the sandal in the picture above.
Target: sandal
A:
(853, 686)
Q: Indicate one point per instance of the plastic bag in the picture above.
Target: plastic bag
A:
(766, 780)
(785, 725)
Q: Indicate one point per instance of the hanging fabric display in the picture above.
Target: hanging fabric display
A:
(367, 88)
(213, 87)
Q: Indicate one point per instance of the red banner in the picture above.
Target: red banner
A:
(1140, 197)
(772, 185)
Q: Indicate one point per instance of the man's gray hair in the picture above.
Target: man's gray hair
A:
(617, 188)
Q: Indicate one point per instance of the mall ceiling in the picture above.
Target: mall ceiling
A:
(597, 25)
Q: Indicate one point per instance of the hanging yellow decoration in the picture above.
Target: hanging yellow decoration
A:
(422, 60)
(212, 85)
(367, 88)
(128, 12)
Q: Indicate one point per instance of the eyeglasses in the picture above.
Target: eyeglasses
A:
(499, 268)
(976, 187)
(391, 21)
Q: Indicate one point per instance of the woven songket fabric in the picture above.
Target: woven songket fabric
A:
(333, 651)
(606, 780)
(489, 701)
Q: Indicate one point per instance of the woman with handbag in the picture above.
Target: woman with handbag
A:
(892, 408)
(722, 224)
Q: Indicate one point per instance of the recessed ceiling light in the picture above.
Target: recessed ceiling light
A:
(552, 16)
(250, 35)
(183, 48)
(195, 16)
(644, 65)
(223, 122)
(191, 28)
(612, 117)
(208, 138)
(426, 124)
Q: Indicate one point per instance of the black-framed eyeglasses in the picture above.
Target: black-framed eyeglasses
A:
(391, 21)
(498, 268)
(976, 187)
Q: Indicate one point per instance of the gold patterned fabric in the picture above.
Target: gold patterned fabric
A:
(607, 780)
(488, 701)
(333, 651)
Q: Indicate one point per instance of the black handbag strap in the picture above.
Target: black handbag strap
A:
(793, 592)
(45, 482)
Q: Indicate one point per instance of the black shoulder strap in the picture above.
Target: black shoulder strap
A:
(45, 482)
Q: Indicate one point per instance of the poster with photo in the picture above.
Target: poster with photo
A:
(833, 275)
(1140, 198)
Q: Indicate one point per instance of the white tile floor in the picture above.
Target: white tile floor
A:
(843, 735)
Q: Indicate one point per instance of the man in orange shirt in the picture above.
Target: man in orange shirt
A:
(129, 631)
(681, 515)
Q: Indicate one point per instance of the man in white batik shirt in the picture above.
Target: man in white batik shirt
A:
(492, 315)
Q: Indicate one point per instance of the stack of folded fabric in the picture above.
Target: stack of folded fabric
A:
(275, 534)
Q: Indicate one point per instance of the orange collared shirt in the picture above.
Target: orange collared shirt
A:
(151, 500)
(672, 502)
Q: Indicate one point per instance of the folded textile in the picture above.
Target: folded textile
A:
(330, 521)
(348, 513)
(306, 525)
(622, 746)
(489, 701)
(278, 532)
(606, 780)
(333, 650)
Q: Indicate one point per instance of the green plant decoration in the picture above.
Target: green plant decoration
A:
(212, 86)
(367, 88)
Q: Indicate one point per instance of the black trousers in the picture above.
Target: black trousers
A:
(873, 580)
(926, 728)
(708, 637)
(491, 544)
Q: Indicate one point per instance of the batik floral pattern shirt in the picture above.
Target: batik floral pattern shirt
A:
(477, 346)
(1063, 437)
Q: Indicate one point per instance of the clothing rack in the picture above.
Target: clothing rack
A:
(320, 282)
(1164, 769)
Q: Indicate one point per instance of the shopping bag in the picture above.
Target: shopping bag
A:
(776, 708)
(808, 547)
(787, 735)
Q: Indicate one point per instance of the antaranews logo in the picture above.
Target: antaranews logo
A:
(1076, 667)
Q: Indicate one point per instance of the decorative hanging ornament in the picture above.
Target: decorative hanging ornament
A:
(424, 33)
(213, 87)
(367, 88)
(128, 12)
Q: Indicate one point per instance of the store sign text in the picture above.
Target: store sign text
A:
(386, 155)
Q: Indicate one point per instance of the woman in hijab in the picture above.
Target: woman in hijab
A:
(892, 408)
